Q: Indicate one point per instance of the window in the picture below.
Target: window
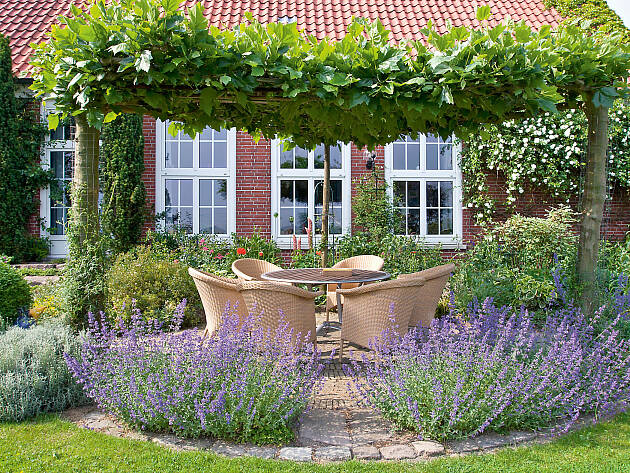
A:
(58, 157)
(297, 191)
(425, 183)
(196, 180)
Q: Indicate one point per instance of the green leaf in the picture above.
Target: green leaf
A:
(225, 80)
(207, 100)
(258, 71)
(446, 95)
(53, 121)
(483, 13)
(110, 117)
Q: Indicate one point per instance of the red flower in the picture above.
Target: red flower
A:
(260, 253)
(241, 251)
(318, 252)
(205, 248)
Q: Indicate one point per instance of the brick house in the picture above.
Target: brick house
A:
(223, 181)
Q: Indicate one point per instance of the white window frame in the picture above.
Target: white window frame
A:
(58, 243)
(162, 173)
(310, 174)
(423, 175)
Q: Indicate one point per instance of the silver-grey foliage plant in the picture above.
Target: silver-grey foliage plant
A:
(34, 377)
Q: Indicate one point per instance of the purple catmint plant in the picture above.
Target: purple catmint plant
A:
(493, 369)
(242, 383)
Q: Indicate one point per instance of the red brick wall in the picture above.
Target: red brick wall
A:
(253, 186)
(148, 176)
(35, 222)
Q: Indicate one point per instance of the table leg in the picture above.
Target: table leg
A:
(339, 306)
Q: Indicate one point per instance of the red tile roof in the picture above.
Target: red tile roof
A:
(26, 21)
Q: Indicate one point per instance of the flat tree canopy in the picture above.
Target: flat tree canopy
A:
(151, 57)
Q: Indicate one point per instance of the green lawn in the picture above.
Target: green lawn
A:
(50, 445)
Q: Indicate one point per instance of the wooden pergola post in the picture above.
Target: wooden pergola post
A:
(593, 199)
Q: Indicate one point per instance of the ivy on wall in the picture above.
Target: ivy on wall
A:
(544, 153)
(122, 164)
(597, 12)
(21, 175)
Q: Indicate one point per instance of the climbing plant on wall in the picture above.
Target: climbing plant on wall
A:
(122, 163)
(21, 175)
(545, 152)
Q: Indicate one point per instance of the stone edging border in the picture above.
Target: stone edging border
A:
(393, 450)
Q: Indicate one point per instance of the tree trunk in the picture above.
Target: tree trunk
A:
(325, 205)
(593, 200)
(85, 186)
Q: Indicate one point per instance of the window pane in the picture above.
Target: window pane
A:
(431, 138)
(286, 159)
(301, 221)
(220, 192)
(400, 193)
(335, 188)
(335, 157)
(413, 222)
(301, 158)
(432, 157)
(171, 194)
(413, 194)
(286, 221)
(220, 134)
(186, 192)
(170, 217)
(186, 154)
(433, 227)
(399, 156)
(220, 155)
(171, 154)
(186, 218)
(432, 194)
(220, 220)
(286, 193)
(413, 156)
(446, 160)
(446, 194)
(68, 160)
(301, 193)
(336, 219)
(57, 221)
(318, 157)
(56, 163)
(205, 192)
(206, 134)
(446, 222)
(205, 220)
(205, 155)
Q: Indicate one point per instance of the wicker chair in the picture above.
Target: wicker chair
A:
(272, 299)
(366, 310)
(216, 293)
(250, 269)
(370, 262)
(427, 298)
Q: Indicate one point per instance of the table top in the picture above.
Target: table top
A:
(316, 276)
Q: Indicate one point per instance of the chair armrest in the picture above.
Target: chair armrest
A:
(382, 286)
(277, 287)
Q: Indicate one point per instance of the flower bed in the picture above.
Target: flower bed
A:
(492, 370)
(242, 383)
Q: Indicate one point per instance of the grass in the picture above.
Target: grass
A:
(50, 445)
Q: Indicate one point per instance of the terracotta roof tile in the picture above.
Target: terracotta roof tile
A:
(25, 22)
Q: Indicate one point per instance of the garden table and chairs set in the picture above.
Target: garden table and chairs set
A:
(366, 299)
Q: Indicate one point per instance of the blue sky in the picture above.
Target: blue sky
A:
(622, 7)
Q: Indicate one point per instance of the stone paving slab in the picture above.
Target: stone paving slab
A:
(398, 452)
(366, 452)
(333, 454)
(296, 454)
(426, 448)
(228, 449)
(489, 441)
(324, 427)
(368, 427)
(261, 452)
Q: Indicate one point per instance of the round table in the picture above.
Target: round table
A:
(315, 277)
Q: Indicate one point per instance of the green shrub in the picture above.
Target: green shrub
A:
(515, 262)
(34, 377)
(156, 285)
(209, 252)
(15, 293)
(401, 254)
(373, 209)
